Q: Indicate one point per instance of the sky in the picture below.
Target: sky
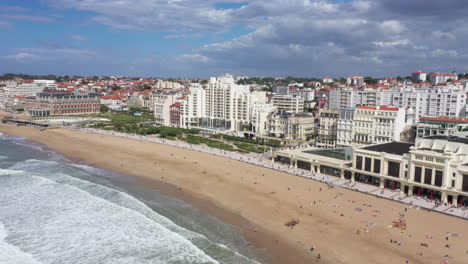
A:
(203, 38)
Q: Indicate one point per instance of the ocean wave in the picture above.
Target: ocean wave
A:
(12, 254)
(99, 231)
(3, 157)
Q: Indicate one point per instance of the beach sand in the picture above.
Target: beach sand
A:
(261, 200)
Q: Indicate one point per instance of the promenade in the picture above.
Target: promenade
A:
(415, 202)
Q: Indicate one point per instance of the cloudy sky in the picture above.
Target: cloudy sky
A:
(202, 38)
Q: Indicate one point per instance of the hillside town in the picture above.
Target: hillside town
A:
(406, 134)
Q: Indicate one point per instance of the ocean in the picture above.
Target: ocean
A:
(55, 210)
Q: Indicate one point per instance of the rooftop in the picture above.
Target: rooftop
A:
(444, 119)
(462, 140)
(397, 148)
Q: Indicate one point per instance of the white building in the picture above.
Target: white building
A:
(344, 127)
(193, 107)
(162, 109)
(327, 80)
(437, 77)
(289, 103)
(328, 127)
(29, 87)
(355, 80)
(291, 126)
(229, 105)
(419, 76)
(114, 102)
(376, 125)
(426, 101)
(260, 113)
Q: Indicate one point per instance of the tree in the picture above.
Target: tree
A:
(104, 108)
(449, 80)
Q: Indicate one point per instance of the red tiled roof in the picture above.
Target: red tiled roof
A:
(367, 107)
(389, 108)
(445, 119)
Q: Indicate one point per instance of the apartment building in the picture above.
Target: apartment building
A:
(289, 103)
(437, 77)
(291, 126)
(162, 109)
(377, 124)
(327, 134)
(29, 87)
(419, 76)
(344, 127)
(425, 101)
(193, 107)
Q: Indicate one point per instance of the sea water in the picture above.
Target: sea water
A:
(53, 210)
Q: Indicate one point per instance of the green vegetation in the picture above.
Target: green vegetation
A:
(104, 108)
(209, 142)
(271, 142)
(243, 147)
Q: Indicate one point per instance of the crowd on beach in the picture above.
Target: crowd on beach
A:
(332, 183)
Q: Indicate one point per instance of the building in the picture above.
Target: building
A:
(326, 137)
(419, 76)
(288, 103)
(260, 113)
(175, 115)
(62, 103)
(114, 102)
(30, 87)
(162, 109)
(227, 104)
(291, 126)
(424, 100)
(344, 127)
(348, 98)
(440, 126)
(437, 77)
(327, 80)
(193, 107)
(355, 80)
(377, 124)
(434, 167)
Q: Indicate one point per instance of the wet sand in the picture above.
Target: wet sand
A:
(343, 226)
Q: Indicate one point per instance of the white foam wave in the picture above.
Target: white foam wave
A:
(4, 172)
(100, 231)
(12, 254)
(3, 157)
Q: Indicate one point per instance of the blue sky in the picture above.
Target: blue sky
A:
(201, 38)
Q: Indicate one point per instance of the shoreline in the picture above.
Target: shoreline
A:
(266, 205)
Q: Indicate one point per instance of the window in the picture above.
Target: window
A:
(465, 183)
(438, 178)
(427, 176)
(367, 164)
(376, 166)
(417, 174)
(393, 169)
(359, 162)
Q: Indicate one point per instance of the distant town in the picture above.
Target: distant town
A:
(405, 133)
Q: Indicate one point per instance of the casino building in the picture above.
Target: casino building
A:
(434, 167)
(62, 103)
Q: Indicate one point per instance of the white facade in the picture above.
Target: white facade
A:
(436, 77)
(419, 76)
(288, 103)
(162, 109)
(344, 128)
(327, 80)
(426, 101)
(29, 88)
(260, 113)
(193, 107)
(376, 125)
(327, 132)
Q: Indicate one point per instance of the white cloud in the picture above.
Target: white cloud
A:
(392, 26)
(77, 37)
(193, 58)
(387, 44)
(444, 53)
(443, 35)
(22, 57)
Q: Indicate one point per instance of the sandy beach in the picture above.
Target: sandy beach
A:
(343, 226)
